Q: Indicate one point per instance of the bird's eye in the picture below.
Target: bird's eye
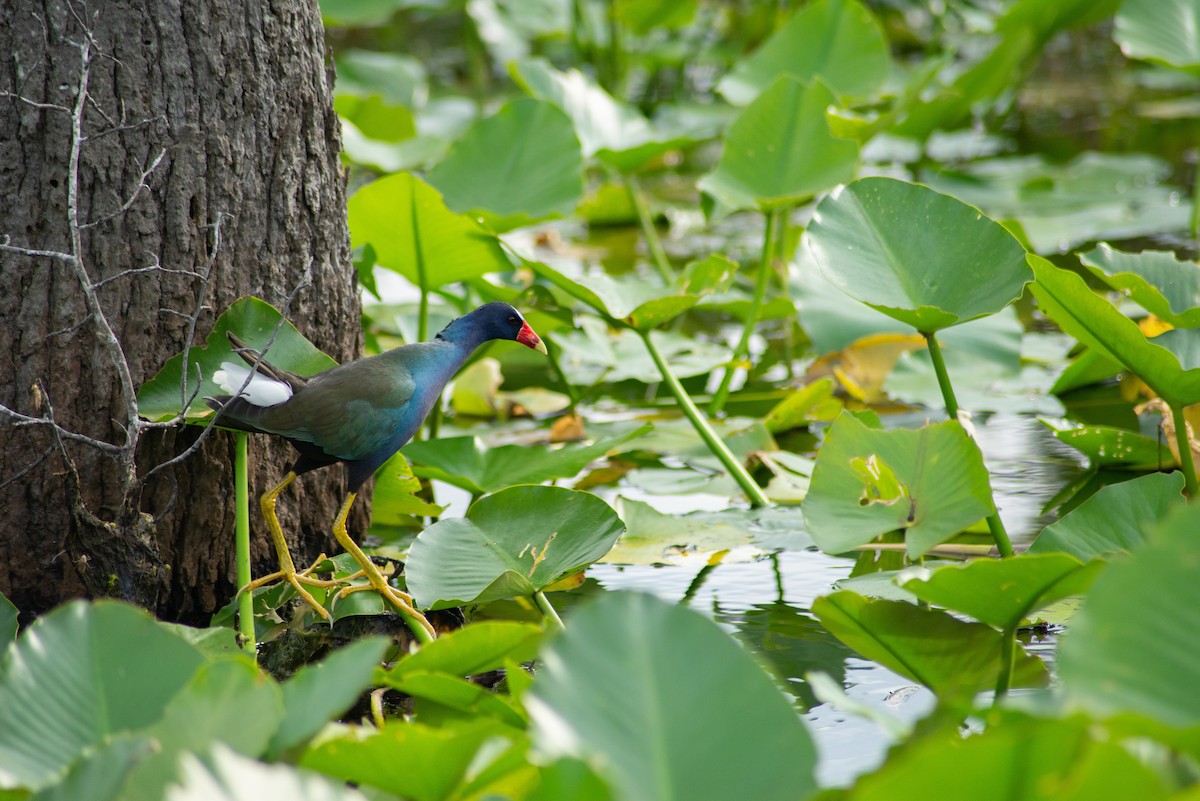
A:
(512, 319)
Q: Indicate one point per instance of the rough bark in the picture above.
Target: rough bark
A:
(235, 97)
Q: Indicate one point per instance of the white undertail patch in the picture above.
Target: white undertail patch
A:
(261, 391)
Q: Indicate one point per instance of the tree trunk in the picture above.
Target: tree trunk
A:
(207, 145)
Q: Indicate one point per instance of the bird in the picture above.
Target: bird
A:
(357, 414)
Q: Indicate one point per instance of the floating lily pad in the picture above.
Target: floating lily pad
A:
(1108, 446)
(1159, 283)
(514, 543)
(539, 177)
(256, 322)
(926, 259)
(947, 655)
(468, 463)
(593, 353)
(839, 42)
(1124, 651)
(1002, 592)
(931, 483)
(620, 688)
(780, 150)
(1166, 32)
(1114, 520)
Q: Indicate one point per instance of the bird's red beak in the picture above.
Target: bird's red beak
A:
(531, 340)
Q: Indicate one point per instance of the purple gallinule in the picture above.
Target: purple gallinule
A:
(359, 413)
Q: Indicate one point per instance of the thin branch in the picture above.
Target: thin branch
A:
(156, 267)
(36, 104)
(48, 421)
(17, 476)
(71, 328)
(133, 126)
(6, 247)
(141, 184)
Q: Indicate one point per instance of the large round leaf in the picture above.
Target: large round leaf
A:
(1167, 31)
(407, 223)
(516, 542)
(517, 167)
(668, 707)
(1167, 364)
(257, 323)
(931, 483)
(1132, 645)
(924, 258)
(838, 41)
(71, 681)
(780, 150)
(1160, 283)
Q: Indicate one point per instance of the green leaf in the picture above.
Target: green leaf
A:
(1107, 446)
(441, 697)
(468, 463)
(407, 759)
(1065, 298)
(1166, 31)
(573, 779)
(947, 655)
(643, 16)
(321, 691)
(810, 403)
(414, 234)
(473, 649)
(517, 167)
(227, 702)
(924, 258)
(780, 150)
(1018, 757)
(1115, 519)
(99, 775)
(931, 483)
(1125, 651)
(1003, 592)
(228, 776)
(395, 497)
(613, 132)
(394, 78)
(837, 41)
(622, 689)
(68, 683)
(8, 623)
(255, 321)
(375, 118)
(515, 542)
(1157, 281)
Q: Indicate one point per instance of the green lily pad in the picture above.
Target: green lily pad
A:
(468, 463)
(926, 259)
(1003, 592)
(1108, 446)
(393, 77)
(612, 131)
(1125, 651)
(1065, 298)
(440, 698)
(1156, 280)
(947, 655)
(514, 543)
(1114, 520)
(477, 648)
(780, 150)
(413, 233)
(931, 483)
(256, 322)
(620, 689)
(838, 42)
(593, 353)
(539, 177)
(67, 685)
(1166, 32)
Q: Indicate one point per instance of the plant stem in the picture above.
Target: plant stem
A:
(241, 526)
(548, 610)
(1195, 223)
(653, 243)
(1183, 442)
(765, 266)
(715, 444)
(572, 396)
(1008, 654)
(995, 524)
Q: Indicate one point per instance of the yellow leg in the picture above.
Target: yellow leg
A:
(401, 600)
(287, 569)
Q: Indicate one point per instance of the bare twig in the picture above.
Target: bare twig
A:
(17, 476)
(141, 184)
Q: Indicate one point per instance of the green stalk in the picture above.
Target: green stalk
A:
(765, 266)
(572, 396)
(1008, 654)
(1195, 226)
(995, 524)
(241, 526)
(548, 610)
(1186, 460)
(653, 243)
(715, 444)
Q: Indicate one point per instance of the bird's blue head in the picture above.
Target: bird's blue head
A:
(492, 321)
